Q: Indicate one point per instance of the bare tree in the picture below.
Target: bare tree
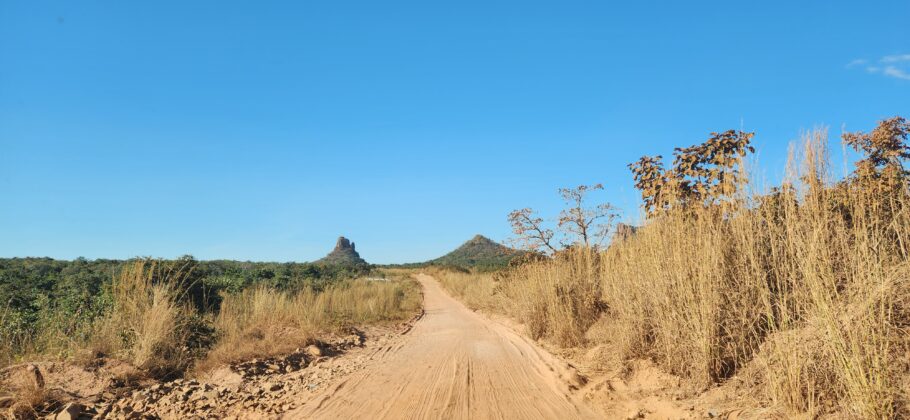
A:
(585, 225)
(577, 224)
(530, 232)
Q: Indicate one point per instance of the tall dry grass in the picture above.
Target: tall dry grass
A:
(804, 288)
(264, 322)
(476, 291)
(150, 324)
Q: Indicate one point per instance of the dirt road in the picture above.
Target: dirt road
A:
(454, 364)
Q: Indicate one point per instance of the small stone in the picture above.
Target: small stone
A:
(70, 411)
(314, 350)
(37, 377)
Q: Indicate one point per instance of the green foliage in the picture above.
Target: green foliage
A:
(479, 254)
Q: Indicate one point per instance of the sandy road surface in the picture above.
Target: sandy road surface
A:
(453, 364)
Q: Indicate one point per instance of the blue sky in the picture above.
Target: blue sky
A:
(263, 130)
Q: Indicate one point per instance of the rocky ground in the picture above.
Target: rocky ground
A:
(259, 388)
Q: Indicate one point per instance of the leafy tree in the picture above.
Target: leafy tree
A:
(709, 172)
(885, 149)
(704, 174)
(651, 179)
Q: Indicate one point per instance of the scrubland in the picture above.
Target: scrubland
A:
(163, 326)
(801, 292)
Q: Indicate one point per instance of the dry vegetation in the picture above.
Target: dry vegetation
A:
(265, 322)
(159, 332)
(476, 291)
(150, 325)
(802, 290)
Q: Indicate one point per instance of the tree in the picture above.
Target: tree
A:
(585, 225)
(651, 179)
(577, 223)
(529, 231)
(702, 175)
(711, 171)
(885, 149)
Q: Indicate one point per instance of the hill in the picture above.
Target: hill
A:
(344, 253)
(479, 253)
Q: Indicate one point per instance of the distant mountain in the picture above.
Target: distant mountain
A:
(479, 253)
(343, 254)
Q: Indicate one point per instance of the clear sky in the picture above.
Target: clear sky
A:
(263, 130)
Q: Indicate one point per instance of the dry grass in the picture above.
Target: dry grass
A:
(153, 326)
(557, 300)
(477, 291)
(150, 324)
(805, 289)
(263, 322)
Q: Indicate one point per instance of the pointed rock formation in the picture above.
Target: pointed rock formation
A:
(343, 254)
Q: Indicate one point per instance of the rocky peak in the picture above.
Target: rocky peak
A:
(343, 254)
(480, 239)
(344, 244)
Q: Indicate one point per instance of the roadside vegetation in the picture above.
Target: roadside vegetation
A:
(48, 307)
(802, 289)
(167, 319)
(265, 322)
